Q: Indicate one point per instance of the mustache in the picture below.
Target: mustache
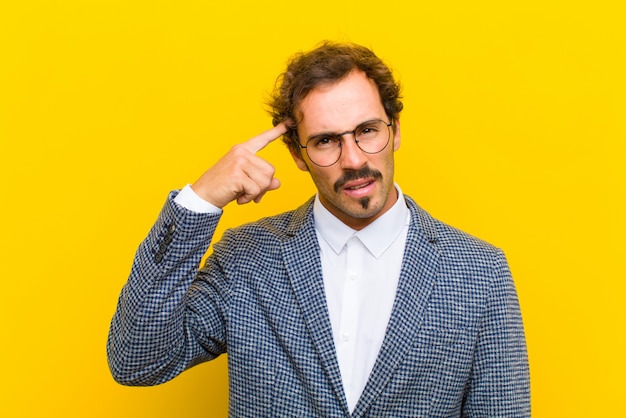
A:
(355, 175)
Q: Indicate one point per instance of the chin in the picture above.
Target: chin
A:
(364, 209)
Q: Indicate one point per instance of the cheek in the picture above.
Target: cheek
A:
(386, 167)
(323, 178)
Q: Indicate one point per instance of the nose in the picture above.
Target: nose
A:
(352, 157)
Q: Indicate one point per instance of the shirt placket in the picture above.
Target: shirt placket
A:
(348, 324)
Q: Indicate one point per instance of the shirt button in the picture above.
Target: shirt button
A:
(353, 276)
(346, 336)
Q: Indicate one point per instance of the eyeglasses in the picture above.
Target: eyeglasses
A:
(325, 150)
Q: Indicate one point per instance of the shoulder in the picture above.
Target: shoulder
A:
(449, 240)
(467, 268)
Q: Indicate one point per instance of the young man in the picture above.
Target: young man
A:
(357, 303)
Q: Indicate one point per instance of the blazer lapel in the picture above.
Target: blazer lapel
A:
(417, 278)
(302, 261)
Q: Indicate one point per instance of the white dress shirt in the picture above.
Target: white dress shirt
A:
(360, 272)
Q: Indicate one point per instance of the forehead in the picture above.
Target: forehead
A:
(341, 105)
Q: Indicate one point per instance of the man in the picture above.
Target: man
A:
(358, 303)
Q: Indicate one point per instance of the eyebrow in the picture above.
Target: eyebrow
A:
(329, 133)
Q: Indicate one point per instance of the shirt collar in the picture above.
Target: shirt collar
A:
(376, 237)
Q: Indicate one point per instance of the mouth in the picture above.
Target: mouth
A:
(358, 182)
(359, 188)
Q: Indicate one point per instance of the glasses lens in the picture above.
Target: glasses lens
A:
(324, 150)
(372, 137)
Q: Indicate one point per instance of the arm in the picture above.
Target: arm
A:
(500, 382)
(156, 330)
(149, 339)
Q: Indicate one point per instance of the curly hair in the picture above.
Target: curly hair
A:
(329, 63)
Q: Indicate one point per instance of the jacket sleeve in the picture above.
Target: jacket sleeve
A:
(500, 384)
(153, 333)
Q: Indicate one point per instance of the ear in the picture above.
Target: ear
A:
(396, 135)
(297, 158)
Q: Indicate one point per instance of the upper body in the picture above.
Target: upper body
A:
(451, 341)
(454, 345)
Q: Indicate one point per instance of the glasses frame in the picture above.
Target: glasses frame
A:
(341, 135)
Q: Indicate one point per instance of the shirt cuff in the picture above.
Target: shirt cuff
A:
(188, 199)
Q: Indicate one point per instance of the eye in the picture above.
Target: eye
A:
(367, 131)
(323, 141)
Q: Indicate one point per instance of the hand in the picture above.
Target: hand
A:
(240, 174)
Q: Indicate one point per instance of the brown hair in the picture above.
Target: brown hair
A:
(326, 64)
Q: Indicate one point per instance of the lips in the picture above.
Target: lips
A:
(357, 179)
(359, 188)
(358, 184)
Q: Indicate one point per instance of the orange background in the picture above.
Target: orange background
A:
(514, 130)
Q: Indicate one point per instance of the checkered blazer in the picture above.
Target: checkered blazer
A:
(454, 346)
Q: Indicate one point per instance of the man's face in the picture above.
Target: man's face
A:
(358, 188)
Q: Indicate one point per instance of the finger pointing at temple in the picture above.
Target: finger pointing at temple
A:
(241, 175)
(260, 141)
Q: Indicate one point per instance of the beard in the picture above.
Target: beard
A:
(365, 202)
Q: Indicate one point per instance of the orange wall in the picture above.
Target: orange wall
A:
(513, 129)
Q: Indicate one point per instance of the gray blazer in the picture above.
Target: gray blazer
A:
(454, 346)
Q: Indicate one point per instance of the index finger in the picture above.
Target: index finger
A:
(260, 141)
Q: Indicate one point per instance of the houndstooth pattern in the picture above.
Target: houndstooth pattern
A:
(454, 346)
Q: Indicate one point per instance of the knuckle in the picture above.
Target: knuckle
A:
(236, 148)
(237, 162)
(239, 151)
(254, 190)
(269, 170)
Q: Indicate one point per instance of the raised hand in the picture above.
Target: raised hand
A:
(240, 174)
